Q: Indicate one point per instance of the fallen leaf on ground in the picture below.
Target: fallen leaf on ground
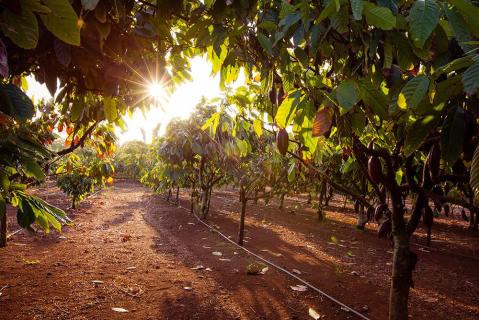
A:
(217, 253)
(34, 261)
(299, 287)
(355, 273)
(188, 288)
(198, 267)
(314, 314)
(116, 309)
(131, 268)
(97, 282)
(296, 271)
(431, 299)
(224, 259)
(424, 250)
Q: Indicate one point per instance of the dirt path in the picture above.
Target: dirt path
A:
(130, 249)
(142, 251)
(52, 277)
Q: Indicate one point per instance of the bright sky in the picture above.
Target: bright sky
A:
(179, 104)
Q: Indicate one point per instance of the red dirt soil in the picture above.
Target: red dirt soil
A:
(143, 250)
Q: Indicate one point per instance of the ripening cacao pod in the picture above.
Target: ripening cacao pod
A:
(272, 96)
(379, 211)
(385, 229)
(370, 213)
(393, 76)
(281, 95)
(282, 141)
(433, 161)
(375, 169)
(322, 122)
(428, 216)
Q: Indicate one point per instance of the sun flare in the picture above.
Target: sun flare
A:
(156, 90)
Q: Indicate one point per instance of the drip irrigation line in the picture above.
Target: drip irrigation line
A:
(322, 293)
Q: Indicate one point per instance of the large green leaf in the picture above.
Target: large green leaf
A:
(332, 7)
(470, 13)
(470, 78)
(346, 95)
(418, 131)
(413, 92)
(266, 43)
(287, 109)
(459, 27)
(109, 107)
(380, 17)
(423, 19)
(32, 169)
(452, 135)
(22, 30)
(374, 98)
(62, 21)
(357, 8)
(14, 102)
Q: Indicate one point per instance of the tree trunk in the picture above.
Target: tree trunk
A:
(242, 218)
(74, 203)
(320, 214)
(281, 203)
(404, 260)
(177, 195)
(169, 195)
(403, 264)
(256, 197)
(3, 227)
(209, 199)
(204, 203)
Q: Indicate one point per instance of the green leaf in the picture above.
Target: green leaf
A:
(357, 8)
(346, 95)
(89, 4)
(14, 102)
(287, 109)
(22, 30)
(62, 22)
(474, 179)
(265, 42)
(76, 112)
(373, 98)
(391, 4)
(109, 107)
(452, 135)
(470, 13)
(460, 29)
(32, 169)
(332, 7)
(379, 17)
(257, 128)
(414, 91)
(423, 19)
(417, 133)
(470, 78)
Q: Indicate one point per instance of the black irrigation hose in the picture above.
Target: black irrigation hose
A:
(322, 293)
